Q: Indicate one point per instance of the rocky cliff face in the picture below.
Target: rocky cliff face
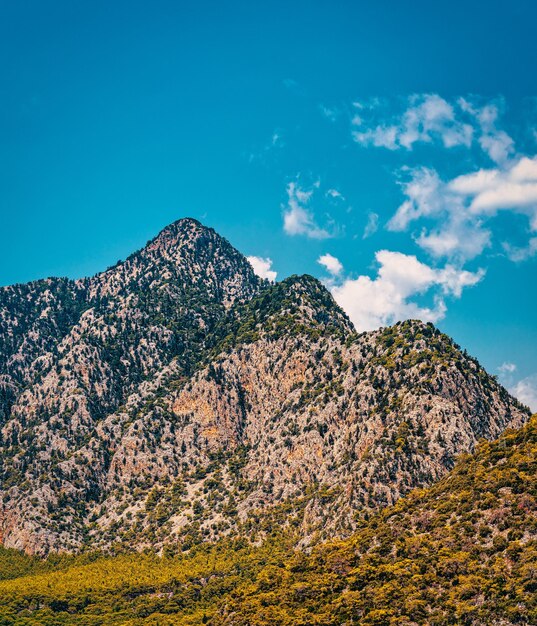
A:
(176, 397)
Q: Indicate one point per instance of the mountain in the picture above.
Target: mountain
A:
(73, 351)
(177, 398)
(461, 552)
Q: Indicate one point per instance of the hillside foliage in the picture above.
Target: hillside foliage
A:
(462, 552)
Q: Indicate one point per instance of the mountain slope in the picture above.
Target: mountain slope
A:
(462, 552)
(189, 398)
(80, 348)
(297, 406)
(33, 319)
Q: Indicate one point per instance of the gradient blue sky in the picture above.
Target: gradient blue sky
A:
(117, 118)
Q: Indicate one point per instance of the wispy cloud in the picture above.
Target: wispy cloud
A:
(298, 217)
(427, 118)
(519, 254)
(334, 193)
(262, 267)
(276, 140)
(455, 215)
(431, 119)
(262, 154)
(507, 368)
(372, 225)
(331, 113)
(495, 142)
(526, 391)
(451, 231)
(463, 207)
(451, 218)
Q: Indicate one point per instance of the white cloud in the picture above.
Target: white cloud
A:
(462, 207)
(499, 146)
(262, 267)
(456, 213)
(518, 254)
(379, 137)
(507, 368)
(334, 193)
(330, 113)
(506, 373)
(427, 118)
(371, 303)
(457, 238)
(513, 188)
(331, 264)
(276, 139)
(526, 391)
(372, 225)
(425, 198)
(496, 143)
(298, 218)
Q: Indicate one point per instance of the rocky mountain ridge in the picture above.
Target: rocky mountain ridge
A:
(176, 397)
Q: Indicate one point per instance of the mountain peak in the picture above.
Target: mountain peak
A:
(299, 304)
(182, 230)
(311, 295)
(183, 224)
(185, 253)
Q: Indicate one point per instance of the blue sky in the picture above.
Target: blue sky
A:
(386, 147)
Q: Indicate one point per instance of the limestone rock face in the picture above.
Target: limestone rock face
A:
(176, 397)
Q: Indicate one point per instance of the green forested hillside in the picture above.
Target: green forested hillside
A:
(461, 552)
